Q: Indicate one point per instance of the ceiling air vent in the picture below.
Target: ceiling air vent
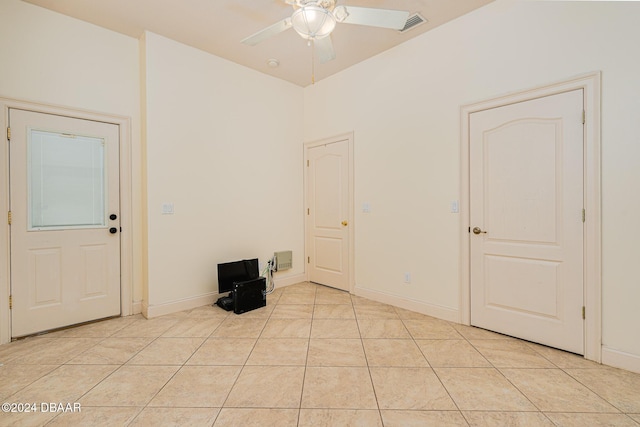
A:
(412, 22)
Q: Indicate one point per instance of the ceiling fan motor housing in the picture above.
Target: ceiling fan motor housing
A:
(325, 4)
(316, 19)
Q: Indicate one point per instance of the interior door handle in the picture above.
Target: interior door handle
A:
(345, 223)
(477, 230)
(113, 230)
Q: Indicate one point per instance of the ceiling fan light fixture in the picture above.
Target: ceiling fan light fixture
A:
(313, 22)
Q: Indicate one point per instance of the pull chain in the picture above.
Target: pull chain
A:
(313, 61)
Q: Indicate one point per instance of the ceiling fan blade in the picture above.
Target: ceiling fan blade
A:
(385, 18)
(324, 47)
(270, 31)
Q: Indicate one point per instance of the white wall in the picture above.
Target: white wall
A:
(224, 145)
(404, 107)
(50, 58)
(207, 116)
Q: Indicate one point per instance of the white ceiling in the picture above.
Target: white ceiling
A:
(217, 26)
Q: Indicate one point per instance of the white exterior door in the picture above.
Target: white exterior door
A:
(328, 214)
(65, 226)
(526, 212)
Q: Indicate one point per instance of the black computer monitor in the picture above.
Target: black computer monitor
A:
(236, 271)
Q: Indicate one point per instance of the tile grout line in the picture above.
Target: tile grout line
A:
(507, 379)
(243, 365)
(306, 360)
(175, 373)
(434, 372)
(373, 387)
(549, 357)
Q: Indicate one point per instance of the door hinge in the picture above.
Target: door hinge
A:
(584, 215)
(9, 217)
(9, 134)
(10, 302)
(584, 312)
(308, 259)
(584, 116)
(307, 163)
(307, 211)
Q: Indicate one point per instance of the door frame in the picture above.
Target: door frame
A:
(126, 238)
(590, 84)
(307, 240)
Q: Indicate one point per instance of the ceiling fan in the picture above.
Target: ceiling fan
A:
(314, 20)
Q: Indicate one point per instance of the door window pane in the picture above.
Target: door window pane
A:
(67, 186)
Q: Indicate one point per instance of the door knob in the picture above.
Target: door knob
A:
(477, 230)
(113, 217)
(113, 230)
(345, 223)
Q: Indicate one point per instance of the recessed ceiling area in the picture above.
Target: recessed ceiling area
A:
(218, 26)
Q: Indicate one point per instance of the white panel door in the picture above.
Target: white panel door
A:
(526, 174)
(65, 228)
(328, 214)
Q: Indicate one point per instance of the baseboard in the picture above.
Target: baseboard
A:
(440, 312)
(281, 282)
(136, 307)
(620, 359)
(150, 311)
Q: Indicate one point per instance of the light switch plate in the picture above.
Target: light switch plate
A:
(167, 209)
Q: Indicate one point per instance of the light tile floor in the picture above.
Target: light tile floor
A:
(314, 356)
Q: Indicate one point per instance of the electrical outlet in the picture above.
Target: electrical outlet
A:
(407, 277)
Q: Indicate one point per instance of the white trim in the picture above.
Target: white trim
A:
(136, 307)
(307, 146)
(126, 206)
(620, 359)
(205, 299)
(590, 83)
(284, 281)
(438, 311)
(178, 305)
(5, 244)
